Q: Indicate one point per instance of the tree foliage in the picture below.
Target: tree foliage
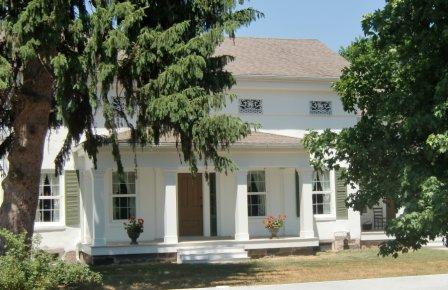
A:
(27, 267)
(397, 82)
(156, 56)
(148, 65)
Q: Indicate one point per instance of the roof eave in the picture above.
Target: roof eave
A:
(285, 78)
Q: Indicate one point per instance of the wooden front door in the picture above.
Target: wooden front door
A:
(190, 204)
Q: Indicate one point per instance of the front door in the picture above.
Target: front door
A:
(190, 204)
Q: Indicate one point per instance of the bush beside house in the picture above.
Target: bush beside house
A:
(24, 268)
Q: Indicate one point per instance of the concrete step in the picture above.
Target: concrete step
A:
(208, 255)
(220, 262)
(210, 250)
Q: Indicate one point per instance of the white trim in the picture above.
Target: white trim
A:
(324, 217)
(54, 227)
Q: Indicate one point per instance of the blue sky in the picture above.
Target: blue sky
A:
(334, 22)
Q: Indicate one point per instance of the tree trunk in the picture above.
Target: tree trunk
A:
(31, 107)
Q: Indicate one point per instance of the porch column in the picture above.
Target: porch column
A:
(99, 208)
(170, 209)
(241, 215)
(306, 204)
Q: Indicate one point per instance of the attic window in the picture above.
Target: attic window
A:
(320, 108)
(250, 106)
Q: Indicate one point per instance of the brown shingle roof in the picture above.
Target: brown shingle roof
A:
(255, 139)
(302, 58)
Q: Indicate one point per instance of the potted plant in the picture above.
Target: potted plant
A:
(134, 227)
(274, 224)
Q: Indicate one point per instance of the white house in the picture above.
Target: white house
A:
(285, 86)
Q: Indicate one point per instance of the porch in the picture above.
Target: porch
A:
(208, 209)
(374, 221)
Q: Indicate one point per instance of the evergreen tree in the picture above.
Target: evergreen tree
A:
(397, 82)
(60, 59)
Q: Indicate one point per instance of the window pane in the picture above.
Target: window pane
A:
(124, 184)
(321, 203)
(124, 207)
(256, 205)
(326, 185)
(321, 181)
(327, 208)
(47, 210)
(256, 181)
(131, 188)
(320, 208)
(131, 177)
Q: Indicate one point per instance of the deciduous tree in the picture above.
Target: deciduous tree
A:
(397, 82)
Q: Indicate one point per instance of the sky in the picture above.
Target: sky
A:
(335, 22)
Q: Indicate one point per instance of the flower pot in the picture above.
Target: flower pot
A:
(133, 236)
(274, 232)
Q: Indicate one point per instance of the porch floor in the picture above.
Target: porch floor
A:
(157, 246)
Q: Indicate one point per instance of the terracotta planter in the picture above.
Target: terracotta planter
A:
(274, 232)
(133, 236)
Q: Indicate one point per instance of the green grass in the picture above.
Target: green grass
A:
(354, 264)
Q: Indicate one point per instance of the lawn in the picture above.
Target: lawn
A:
(352, 264)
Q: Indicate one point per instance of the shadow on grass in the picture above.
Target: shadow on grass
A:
(167, 276)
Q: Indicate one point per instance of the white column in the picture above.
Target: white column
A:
(289, 203)
(170, 209)
(241, 215)
(206, 206)
(99, 208)
(306, 204)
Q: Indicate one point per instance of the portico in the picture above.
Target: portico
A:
(211, 207)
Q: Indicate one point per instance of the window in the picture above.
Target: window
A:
(256, 190)
(321, 192)
(49, 204)
(320, 108)
(123, 195)
(250, 106)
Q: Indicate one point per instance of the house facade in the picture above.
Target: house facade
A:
(283, 85)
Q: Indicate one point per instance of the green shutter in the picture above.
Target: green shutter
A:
(341, 195)
(71, 198)
(213, 213)
(297, 193)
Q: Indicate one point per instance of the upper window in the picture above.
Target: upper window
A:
(320, 108)
(250, 106)
(256, 190)
(123, 195)
(321, 192)
(49, 204)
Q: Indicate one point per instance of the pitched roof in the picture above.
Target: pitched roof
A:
(301, 58)
(256, 139)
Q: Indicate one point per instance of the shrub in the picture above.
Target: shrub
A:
(27, 267)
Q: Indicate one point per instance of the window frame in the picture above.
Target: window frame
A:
(127, 195)
(325, 191)
(60, 197)
(261, 193)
